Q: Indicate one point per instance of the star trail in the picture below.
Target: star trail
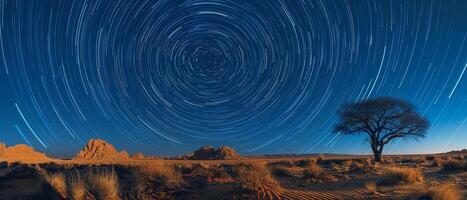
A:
(168, 76)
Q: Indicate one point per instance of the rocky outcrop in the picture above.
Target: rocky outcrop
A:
(210, 153)
(138, 156)
(21, 153)
(100, 150)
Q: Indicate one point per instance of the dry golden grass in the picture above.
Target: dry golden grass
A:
(453, 165)
(283, 163)
(313, 171)
(437, 162)
(164, 173)
(156, 180)
(371, 187)
(255, 176)
(305, 162)
(444, 191)
(77, 188)
(282, 171)
(347, 163)
(321, 158)
(57, 181)
(430, 157)
(103, 184)
(396, 175)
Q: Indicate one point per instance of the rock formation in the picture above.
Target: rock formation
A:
(21, 153)
(138, 156)
(100, 150)
(210, 153)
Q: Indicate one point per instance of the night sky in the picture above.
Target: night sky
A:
(265, 77)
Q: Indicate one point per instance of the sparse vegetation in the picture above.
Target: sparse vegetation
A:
(57, 181)
(156, 181)
(320, 158)
(249, 178)
(453, 165)
(103, 184)
(444, 191)
(371, 187)
(305, 162)
(397, 175)
(313, 171)
(430, 157)
(254, 177)
(77, 189)
(281, 171)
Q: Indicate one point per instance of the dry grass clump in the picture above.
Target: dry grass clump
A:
(305, 162)
(284, 163)
(444, 191)
(103, 184)
(255, 177)
(431, 157)
(453, 165)
(396, 175)
(57, 181)
(156, 181)
(77, 188)
(437, 162)
(346, 164)
(219, 175)
(281, 171)
(313, 171)
(371, 187)
(321, 158)
(361, 165)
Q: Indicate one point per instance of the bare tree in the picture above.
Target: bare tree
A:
(383, 119)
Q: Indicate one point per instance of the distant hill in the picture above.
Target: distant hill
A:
(21, 152)
(210, 153)
(463, 151)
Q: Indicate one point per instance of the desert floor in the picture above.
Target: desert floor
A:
(356, 177)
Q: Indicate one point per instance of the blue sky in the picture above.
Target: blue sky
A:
(166, 77)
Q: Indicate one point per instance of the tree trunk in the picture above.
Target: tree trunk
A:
(376, 150)
(377, 156)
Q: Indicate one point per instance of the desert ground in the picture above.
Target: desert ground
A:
(99, 171)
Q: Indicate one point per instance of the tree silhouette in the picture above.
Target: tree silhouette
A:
(383, 119)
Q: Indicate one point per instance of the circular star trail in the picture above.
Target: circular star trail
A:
(263, 76)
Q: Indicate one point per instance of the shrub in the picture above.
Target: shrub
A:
(321, 158)
(284, 163)
(396, 175)
(103, 184)
(281, 171)
(219, 175)
(156, 181)
(371, 187)
(430, 157)
(313, 171)
(453, 165)
(437, 162)
(57, 181)
(255, 177)
(445, 191)
(305, 162)
(78, 189)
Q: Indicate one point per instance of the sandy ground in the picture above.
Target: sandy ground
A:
(341, 181)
